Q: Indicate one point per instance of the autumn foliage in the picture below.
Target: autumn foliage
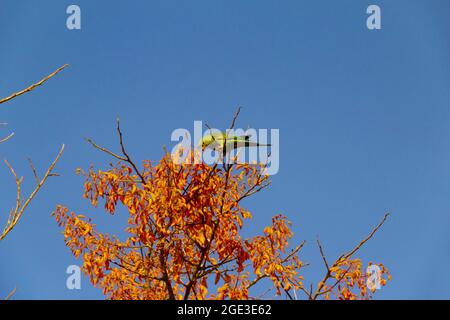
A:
(184, 236)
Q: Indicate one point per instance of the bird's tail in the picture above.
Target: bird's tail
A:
(256, 144)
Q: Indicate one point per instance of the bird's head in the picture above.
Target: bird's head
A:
(205, 142)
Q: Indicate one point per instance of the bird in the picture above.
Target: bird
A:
(220, 141)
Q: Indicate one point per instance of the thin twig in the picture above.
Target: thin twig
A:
(7, 138)
(236, 114)
(128, 158)
(33, 86)
(340, 259)
(11, 294)
(105, 150)
(33, 168)
(20, 204)
(348, 255)
(323, 255)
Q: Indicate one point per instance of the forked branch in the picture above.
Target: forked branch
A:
(22, 203)
(329, 269)
(124, 157)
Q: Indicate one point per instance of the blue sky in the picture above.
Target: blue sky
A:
(363, 119)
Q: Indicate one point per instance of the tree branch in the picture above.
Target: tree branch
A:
(340, 259)
(21, 205)
(105, 150)
(10, 294)
(33, 86)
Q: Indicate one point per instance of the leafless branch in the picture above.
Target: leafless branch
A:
(236, 114)
(105, 150)
(342, 257)
(371, 234)
(33, 86)
(323, 255)
(128, 158)
(33, 168)
(10, 294)
(7, 137)
(21, 205)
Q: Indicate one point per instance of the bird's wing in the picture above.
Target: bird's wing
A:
(233, 138)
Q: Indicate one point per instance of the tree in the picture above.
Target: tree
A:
(22, 202)
(184, 235)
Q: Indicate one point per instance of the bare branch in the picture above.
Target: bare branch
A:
(10, 294)
(236, 114)
(128, 158)
(7, 137)
(323, 255)
(105, 150)
(348, 255)
(344, 256)
(33, 86)
(21, 205)
(33, 168)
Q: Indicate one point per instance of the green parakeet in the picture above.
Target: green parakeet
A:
(216, 141)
